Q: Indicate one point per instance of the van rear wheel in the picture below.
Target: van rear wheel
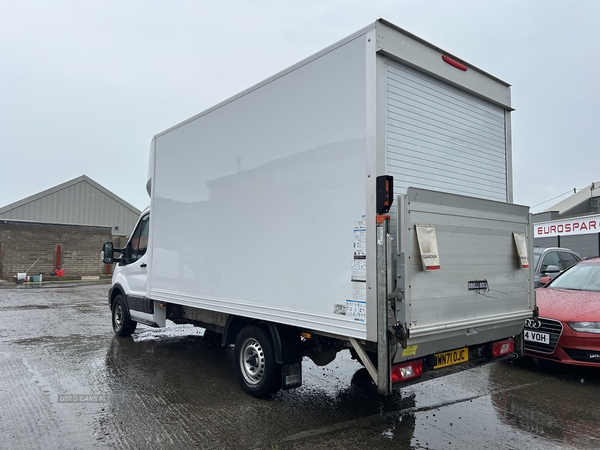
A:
(254, 362)
(121, 321)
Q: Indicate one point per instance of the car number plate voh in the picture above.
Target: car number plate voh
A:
(536, 336)
(458, 356)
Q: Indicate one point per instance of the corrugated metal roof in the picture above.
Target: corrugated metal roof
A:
(80, 201)
(593, 190)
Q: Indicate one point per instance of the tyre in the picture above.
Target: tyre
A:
(121, 321)
(254, 362)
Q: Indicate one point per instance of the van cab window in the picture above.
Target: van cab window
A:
(139, 241)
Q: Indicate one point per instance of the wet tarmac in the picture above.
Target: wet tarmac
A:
(67, 382)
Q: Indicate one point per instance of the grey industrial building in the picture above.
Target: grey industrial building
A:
(572, 223)
(63, 226)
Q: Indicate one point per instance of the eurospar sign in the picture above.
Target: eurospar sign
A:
(567, 227)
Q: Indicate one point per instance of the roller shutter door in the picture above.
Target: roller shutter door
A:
(440, 137)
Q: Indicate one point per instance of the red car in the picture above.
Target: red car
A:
(568, 329)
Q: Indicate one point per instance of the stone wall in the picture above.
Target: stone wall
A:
(22, 243)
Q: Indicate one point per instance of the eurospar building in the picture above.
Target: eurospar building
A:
(573, 223)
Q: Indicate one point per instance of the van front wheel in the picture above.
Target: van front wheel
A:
(254, 362)
(121, 321)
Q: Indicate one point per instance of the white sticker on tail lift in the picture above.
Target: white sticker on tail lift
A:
(428, 247)
(521, 244)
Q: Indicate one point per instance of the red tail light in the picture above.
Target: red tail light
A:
(503, 348)
(407, 371)
(455, 63)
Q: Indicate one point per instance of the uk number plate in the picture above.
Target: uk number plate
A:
(452, 357)
(535, 336)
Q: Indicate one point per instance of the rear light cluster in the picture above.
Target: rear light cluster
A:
(414, 369)
(502, 348)
(407, 371)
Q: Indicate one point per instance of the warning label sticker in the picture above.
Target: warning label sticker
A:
(356, 306)
(357, 310)
(360, 239)
(359, 270)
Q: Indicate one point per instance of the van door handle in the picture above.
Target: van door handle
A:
(143, 265)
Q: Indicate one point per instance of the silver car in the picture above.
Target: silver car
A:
(549, 262)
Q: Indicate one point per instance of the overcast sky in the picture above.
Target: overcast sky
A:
(85, 85)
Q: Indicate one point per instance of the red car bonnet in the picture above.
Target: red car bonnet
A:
(568, 305)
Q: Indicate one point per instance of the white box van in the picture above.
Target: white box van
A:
(360, 199)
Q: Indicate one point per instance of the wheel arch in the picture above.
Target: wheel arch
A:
(286, 339)
(234, 325)
(117, 289)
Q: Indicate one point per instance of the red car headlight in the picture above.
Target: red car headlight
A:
(585, 327)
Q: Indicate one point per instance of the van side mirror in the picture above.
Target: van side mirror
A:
(108, 253)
